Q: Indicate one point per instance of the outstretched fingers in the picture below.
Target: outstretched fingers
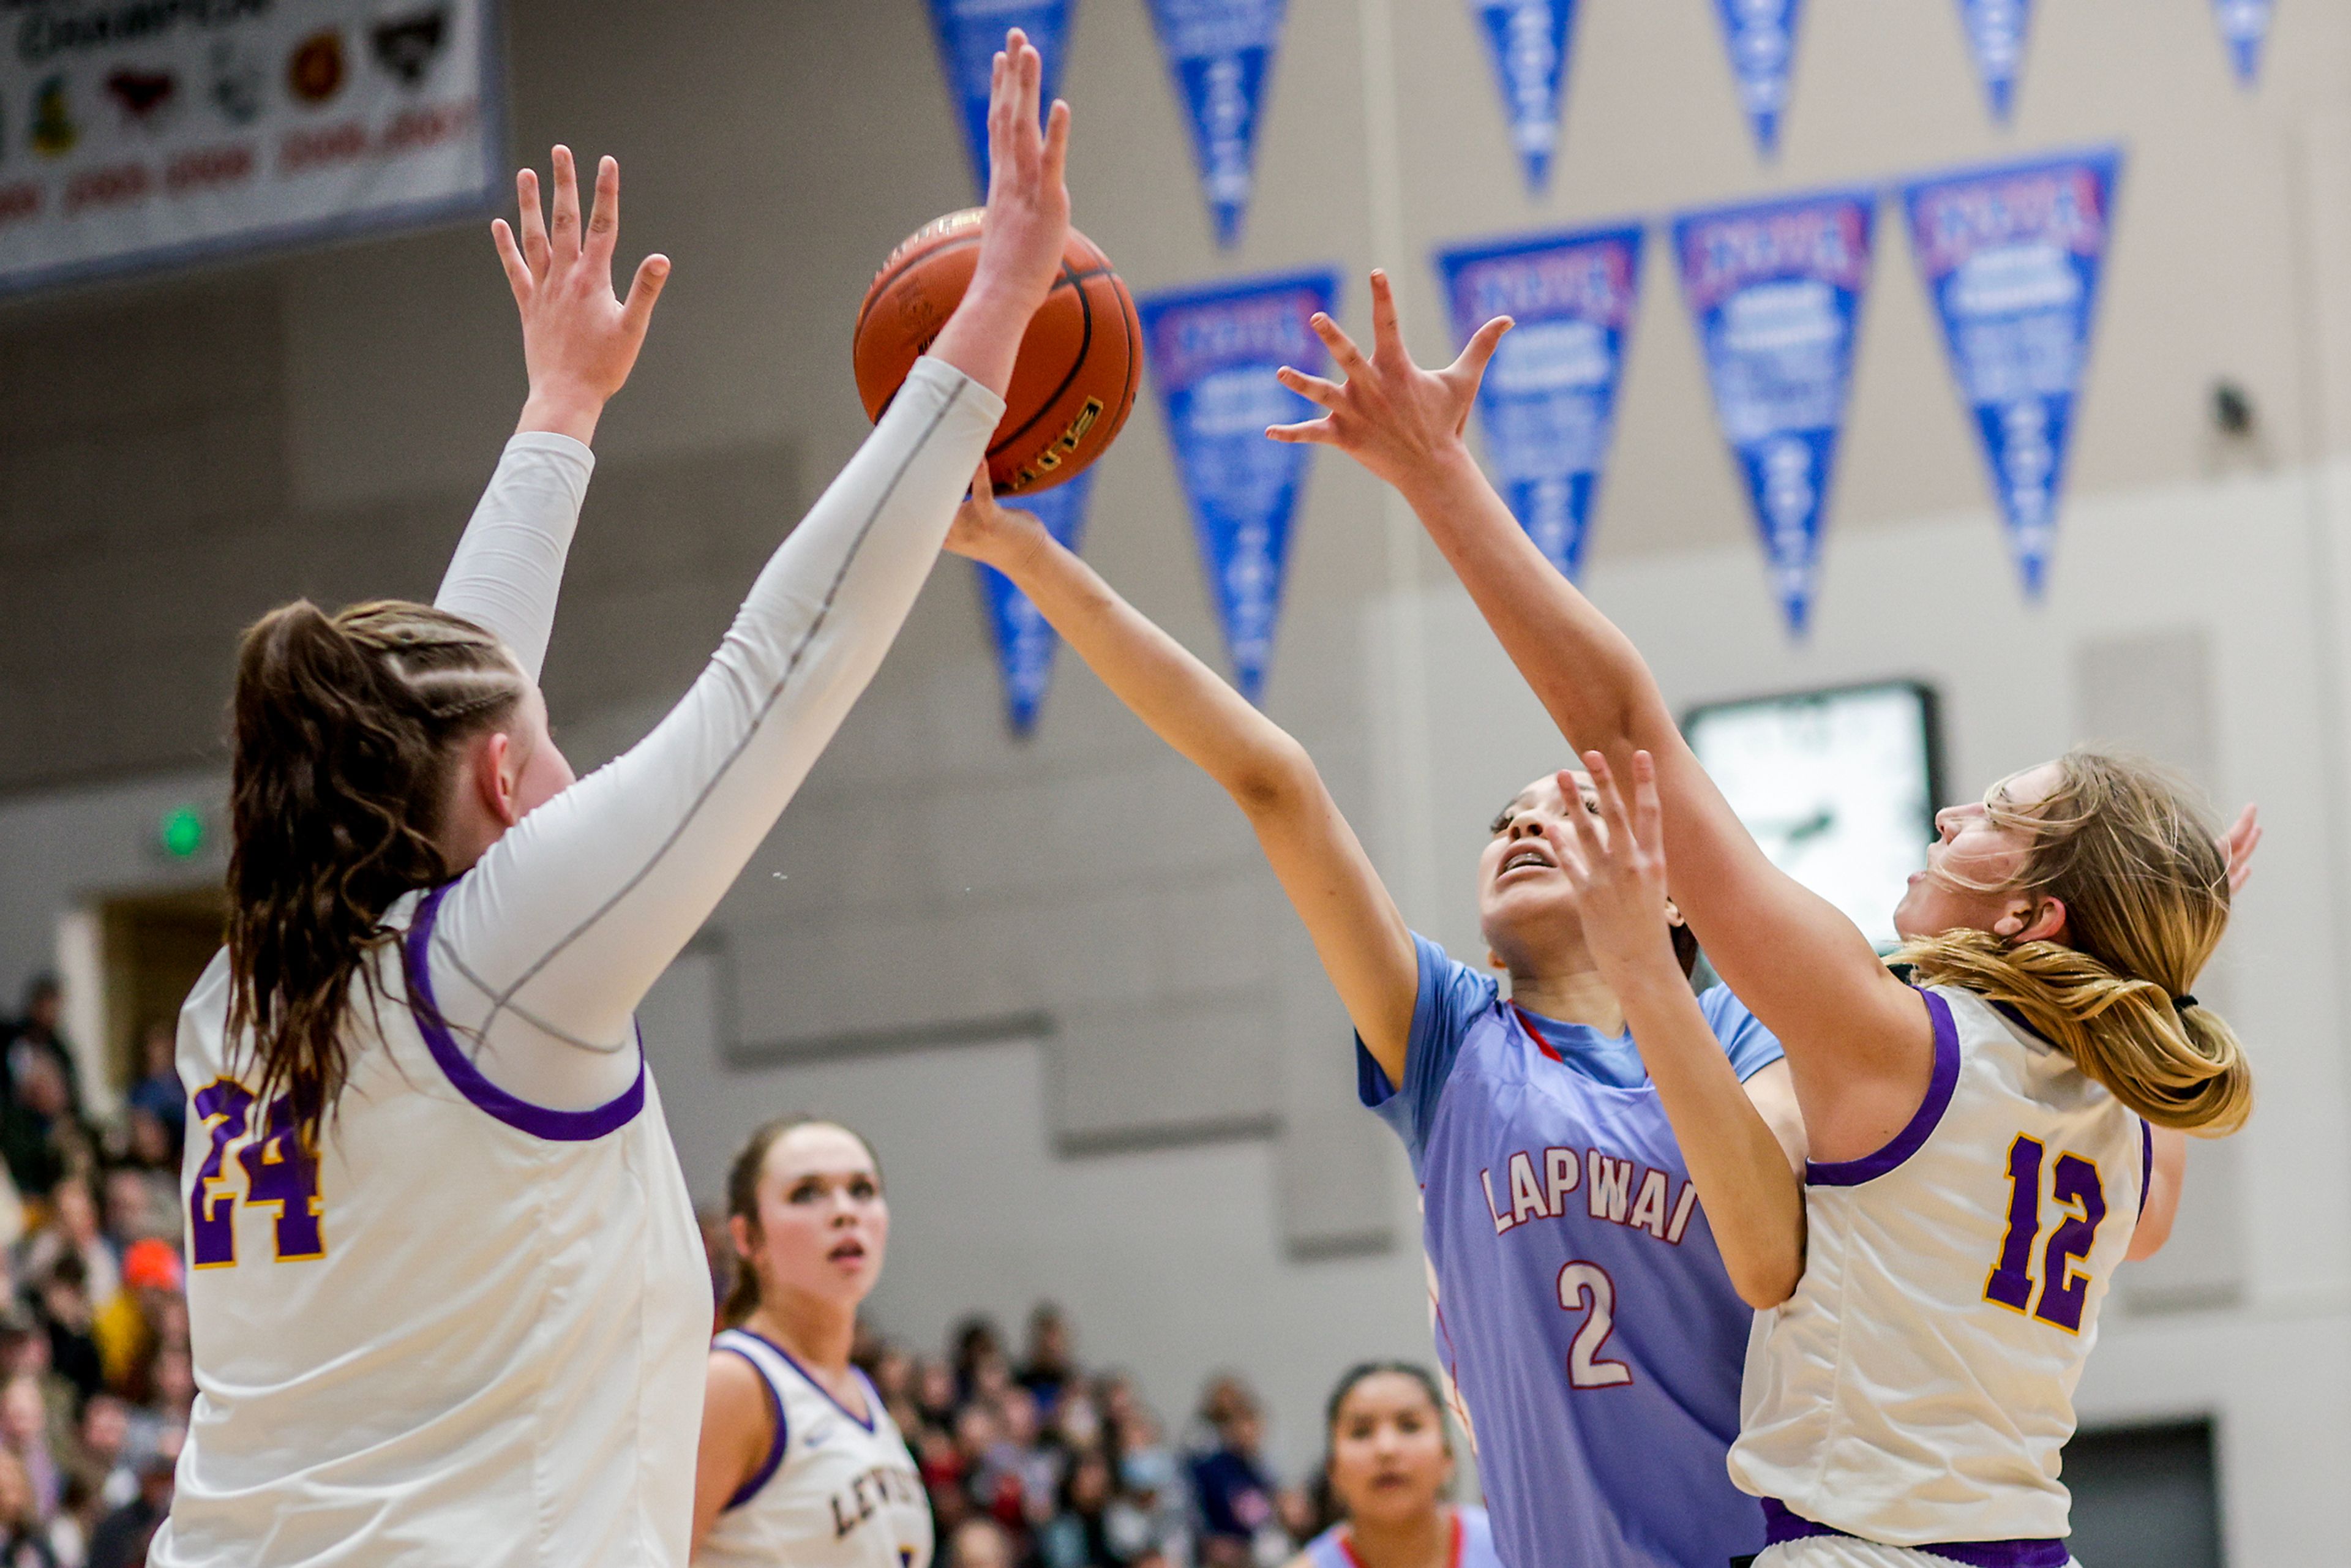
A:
(534, 250)
(1648, 812)
(1470, 363)
(644, 292)
(1056, 144)
(1621, 843)
(564, 234)
(1313, 389)
(1343, 352)
(518, 277)
(1387, 330)
(605, 220)
(1309, 432)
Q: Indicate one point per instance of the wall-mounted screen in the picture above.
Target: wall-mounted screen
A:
(1839, 786)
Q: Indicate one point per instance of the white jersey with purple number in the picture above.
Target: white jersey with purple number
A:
(836, 1490)
(473, 1329)
(1582, 1313)
(1918, 1387)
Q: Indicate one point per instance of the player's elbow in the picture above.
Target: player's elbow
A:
(1277, 779)
(1768, 1276)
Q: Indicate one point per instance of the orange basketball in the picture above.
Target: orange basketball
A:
(1079, 364)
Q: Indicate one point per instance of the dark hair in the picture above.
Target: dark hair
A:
(344, 728)
(1363, 1369)
(743, 1202)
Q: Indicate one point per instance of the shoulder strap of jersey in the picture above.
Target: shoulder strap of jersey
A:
(763, 1361)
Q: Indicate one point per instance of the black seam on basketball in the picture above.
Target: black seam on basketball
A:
(1077, 362)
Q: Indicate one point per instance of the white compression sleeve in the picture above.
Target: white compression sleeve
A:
(509, 566)
(552, 939)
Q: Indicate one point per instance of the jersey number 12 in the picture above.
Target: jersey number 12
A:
(2081, 1202)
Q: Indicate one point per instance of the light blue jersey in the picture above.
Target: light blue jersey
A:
(1473, 1544)
(1583, 1312)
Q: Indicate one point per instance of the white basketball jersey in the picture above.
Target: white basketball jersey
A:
(835, 1491)
(473, 1332)
(1918, 1387)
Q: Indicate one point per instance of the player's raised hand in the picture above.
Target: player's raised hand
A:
(1027, 194)
(1616, 863)
(988, 532)
(2244, 837)
(578, 339)
(1389, 414)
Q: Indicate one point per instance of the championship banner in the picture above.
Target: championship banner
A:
(2244, 27)
(1775, 291)
(2012, 256)
(1761, 35)
(1024, 640)
(1548, 402)
(1529, 40)
(1213, 352)
(1220, 53)
(136, 135)
(970, 32)
(1996, 30)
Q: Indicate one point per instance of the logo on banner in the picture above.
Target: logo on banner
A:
(1761, 35)
(1221, 52)
(405, 47)
(970, 32)
(236, 84)
(143, 96)
(1024, 640)
(314, 72)
(1529, 40)
(54, 132)
(1996, 30)
(2244, 27)
(1213, 353)
(2012, 256)
(1775, 291)
(1549, 399)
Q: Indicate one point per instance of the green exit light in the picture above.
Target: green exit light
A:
(182, 832)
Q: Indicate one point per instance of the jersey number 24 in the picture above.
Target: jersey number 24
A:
(280, 1174)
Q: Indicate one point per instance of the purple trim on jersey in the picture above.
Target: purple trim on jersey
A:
(872, 1404)
(2146, 1161)
(1782, 1525)
(538, 1121)
(766, 1471)
(1923, 1122)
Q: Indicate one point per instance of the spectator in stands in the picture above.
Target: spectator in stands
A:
(1230, 1487)
(978, 1352)
(1049, 1363)
(102, 1457)
(75, 1230)
(1078, 1535)
(25, 1438)
(64, 1314)
(36, 1037)
(158, 1092)
(121, 1537)
(41, 1137)
(23, 1542)
(979, 1544)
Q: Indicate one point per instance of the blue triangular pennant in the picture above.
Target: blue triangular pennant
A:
(1024, 642)
(1529, 40)
(1996, 30)
(1548, 402)
(1221, 53)
(970, 32)
(1213, 352)
(2244, 27)
(1775, 290)
(2012, 257)
(1761, 36)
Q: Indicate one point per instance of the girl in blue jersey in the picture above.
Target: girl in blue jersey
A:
(1390, 1466)
(1583, 1309)
(1979, 1121)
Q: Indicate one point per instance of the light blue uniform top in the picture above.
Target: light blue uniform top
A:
(1583, 1310)
(1473, 1544)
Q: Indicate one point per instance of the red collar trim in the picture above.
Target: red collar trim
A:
(1527, 1022)
(1347, 1537)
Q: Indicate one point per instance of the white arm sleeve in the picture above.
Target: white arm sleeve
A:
(547, 945)
(509, 566)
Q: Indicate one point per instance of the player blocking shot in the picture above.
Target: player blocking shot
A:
(448, 1302)
(1979, 1114)
(1591, 1314)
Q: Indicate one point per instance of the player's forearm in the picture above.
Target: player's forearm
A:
(1753, 1201)
(509, 568)
(1183, 701)
(1585, 671)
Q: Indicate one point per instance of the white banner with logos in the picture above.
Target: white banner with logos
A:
(141, 133)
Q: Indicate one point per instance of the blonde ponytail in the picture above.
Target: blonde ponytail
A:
(2144, 883)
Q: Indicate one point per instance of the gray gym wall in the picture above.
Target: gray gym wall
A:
(1051, 979)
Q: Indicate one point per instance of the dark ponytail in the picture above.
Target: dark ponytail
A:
(743, 1204)
(343, 731)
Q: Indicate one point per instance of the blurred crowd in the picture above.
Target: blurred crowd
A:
(1034, 1461)
(95, 1378)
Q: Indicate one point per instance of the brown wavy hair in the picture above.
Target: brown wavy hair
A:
(743, 1203)
(2130, 851)
(344, 730)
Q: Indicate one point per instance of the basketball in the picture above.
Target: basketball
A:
(1079, 364)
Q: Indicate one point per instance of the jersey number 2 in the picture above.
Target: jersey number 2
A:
(280, 1174)
(2081, 1202)
(1581, 1282)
